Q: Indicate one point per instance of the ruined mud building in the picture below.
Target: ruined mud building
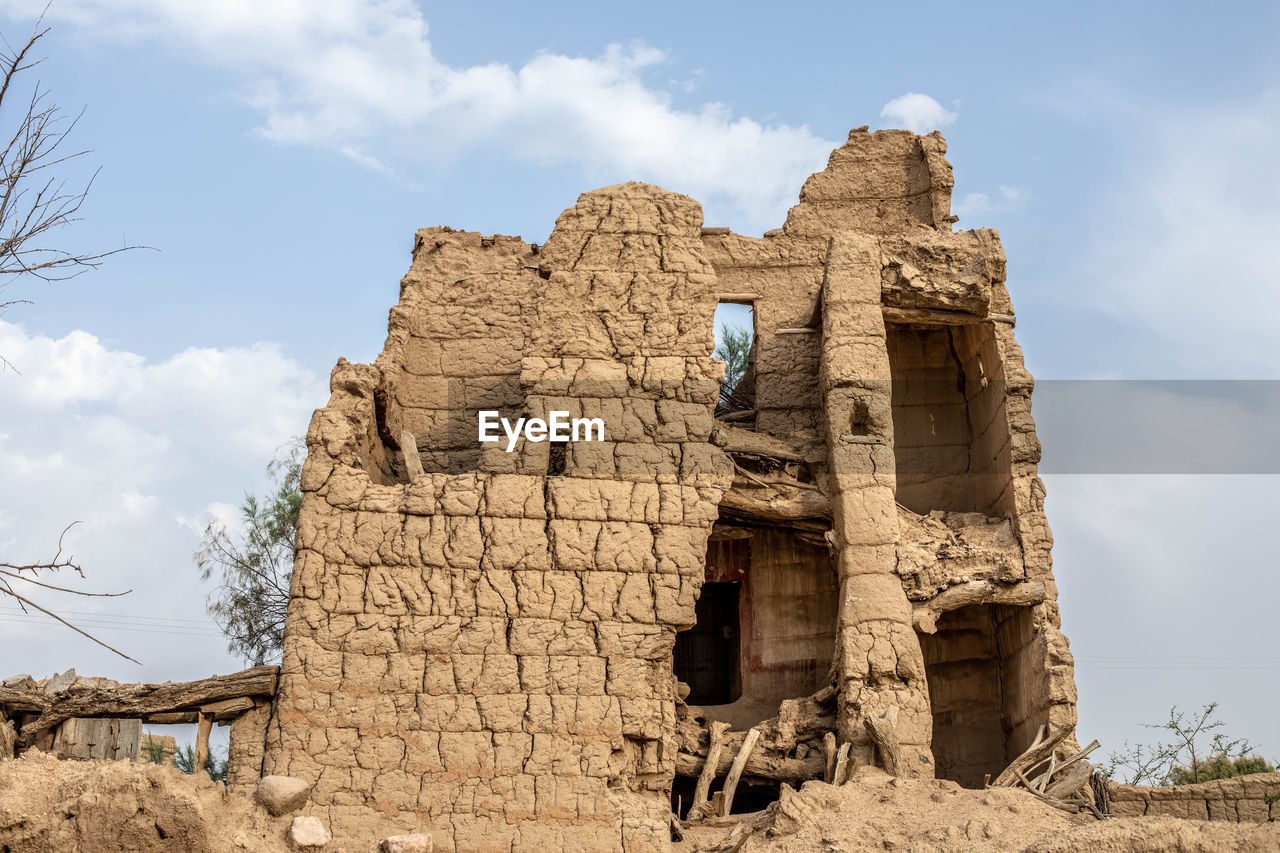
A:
(522, 651)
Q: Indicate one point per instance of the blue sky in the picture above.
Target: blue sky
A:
(279, 157)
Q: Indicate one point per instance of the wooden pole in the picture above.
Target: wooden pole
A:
(409, 445)
(202, 741)
(829, 748)
(708, 774)
(842, 764)
(735, 772)
(883, 729)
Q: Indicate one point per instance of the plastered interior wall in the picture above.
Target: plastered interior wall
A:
(785, 632)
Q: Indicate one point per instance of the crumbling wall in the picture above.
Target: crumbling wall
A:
(1240, 799)
(487, 654)
(484, 649)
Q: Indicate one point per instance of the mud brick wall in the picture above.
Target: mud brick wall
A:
(486, 654)
(1243, 798)
(484, 649)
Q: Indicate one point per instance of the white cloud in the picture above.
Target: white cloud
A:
(917, 113)
(1145, 566)
(359, 77)
(973, 207)
(1185, 247)
(144, 453)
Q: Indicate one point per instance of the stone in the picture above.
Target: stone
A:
(59, 683)
(308, 833)
(282, 794)
(417, 843)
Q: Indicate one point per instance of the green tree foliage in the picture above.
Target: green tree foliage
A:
(1194, 752)
(1221, 767)
(214, 765)
(734, 350)
(254, 565)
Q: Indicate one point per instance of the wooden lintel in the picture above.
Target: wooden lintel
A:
(172, 719)
(148, 701)
(739, 440)
(930, 316)
(775, 504)
(228, 708)
(1022, 594)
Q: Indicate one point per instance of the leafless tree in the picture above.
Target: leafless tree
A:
(35, 203)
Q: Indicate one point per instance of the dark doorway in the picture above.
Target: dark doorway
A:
(706, 655)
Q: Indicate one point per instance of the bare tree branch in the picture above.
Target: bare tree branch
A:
(29, 572)
(34, 204)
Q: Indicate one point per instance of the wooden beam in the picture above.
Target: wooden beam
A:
(148, 700)
(883, 728)
(228, 708)
(739, 440)
(775, 503)
(841, 771)
(762, 764)
(412, 462)
(735, 772)
(202, 742)
(930, 316)
(172, 719)
(708, 773)
(16, 701)
(1024, 594)
(829, 757)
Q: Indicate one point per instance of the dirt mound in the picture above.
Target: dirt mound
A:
(108, 806)
(878, 813)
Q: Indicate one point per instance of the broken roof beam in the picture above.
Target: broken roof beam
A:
(148, 700)
(776, 505)
(1022, 594)
(739, 440)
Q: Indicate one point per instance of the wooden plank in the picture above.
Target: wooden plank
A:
(842, 764)
(930, 316)
(883, 728)
(228, 708)
(147, 700)
(829, 750)
(412, 462)
(739, 440)
(735, 772)
(99, 739)
(708, 773)
(171, 719)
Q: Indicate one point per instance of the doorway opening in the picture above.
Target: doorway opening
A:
(978, 664)
(706, 655)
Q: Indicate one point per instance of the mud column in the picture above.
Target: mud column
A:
(878, 658)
